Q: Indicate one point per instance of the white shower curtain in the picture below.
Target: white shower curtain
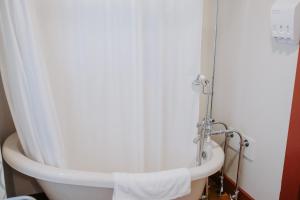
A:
(103, 85)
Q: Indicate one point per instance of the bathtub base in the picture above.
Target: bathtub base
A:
(56, 191)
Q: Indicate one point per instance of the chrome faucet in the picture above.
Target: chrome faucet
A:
(206, 129)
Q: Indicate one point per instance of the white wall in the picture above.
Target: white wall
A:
(253, 93)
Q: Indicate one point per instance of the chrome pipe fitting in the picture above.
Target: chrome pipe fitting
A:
(234, 196)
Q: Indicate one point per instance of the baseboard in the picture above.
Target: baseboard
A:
(229, 187)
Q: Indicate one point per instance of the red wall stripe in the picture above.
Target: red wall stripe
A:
(290, 186)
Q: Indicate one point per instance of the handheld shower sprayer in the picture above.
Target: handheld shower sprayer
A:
(201, 84)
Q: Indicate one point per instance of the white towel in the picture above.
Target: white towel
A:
(164, 185)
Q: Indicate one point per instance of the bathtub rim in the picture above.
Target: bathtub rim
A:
(13, 155)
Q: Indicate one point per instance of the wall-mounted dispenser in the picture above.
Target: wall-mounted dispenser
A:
(285, 19)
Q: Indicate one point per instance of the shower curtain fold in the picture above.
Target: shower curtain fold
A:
(103, 85)
(26, 86)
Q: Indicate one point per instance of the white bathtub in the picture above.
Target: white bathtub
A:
(65, 184)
